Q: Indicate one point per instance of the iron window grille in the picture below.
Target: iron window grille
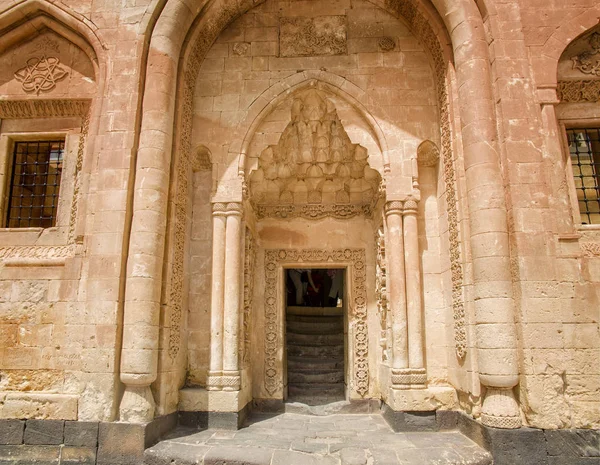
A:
(35, 183)
(584, 149)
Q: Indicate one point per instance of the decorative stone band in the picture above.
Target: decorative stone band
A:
(394, 207)
(584, 90)
(314, 211)
(409, 378)
(407, 207)
(36, 255)
(43, 108)
(231, 382)
(590, 249)
(217, 381)
(227, 209)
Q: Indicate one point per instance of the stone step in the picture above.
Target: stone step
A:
(316, 377)
(300, 364)
(315, 339)
(324, 351)
(315, 389)
(318, 311)
(315, 318)
(310, 327)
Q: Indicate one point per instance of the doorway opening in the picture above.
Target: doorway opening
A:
(315, 335)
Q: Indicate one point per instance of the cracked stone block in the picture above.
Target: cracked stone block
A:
(81, 433)
(11, 431)
(44, 432)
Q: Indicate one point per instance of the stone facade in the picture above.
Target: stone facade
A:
(433, 149)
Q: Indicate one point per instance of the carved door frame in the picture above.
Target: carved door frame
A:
(357, 352)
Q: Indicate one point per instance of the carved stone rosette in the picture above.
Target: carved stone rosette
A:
(357, 311)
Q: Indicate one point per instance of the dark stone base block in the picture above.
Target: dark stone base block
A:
(60, 442)
(219, 420)
(413, 421)
(528, 446)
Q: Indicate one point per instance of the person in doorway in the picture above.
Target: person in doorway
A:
(295, 275)
(336, 286)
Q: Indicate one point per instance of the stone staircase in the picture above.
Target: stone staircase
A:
(315, 354)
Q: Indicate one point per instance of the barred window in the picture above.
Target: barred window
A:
(584, 148)
(35, 183)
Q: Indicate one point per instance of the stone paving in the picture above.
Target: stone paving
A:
(292, 439)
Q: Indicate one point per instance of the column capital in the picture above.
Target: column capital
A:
(394, 207)
(219, 209)
(411, 206)
(235, 208)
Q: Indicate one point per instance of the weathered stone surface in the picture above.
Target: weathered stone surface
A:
(225, 455)
(78, 455)
(120, 444)
(44, 432)
(81, 434)
(573, 443)
(11, 431)
(39, 406)
(29, 455)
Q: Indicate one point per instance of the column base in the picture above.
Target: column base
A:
(500, 409)
(223, 381)
(422, 400)
(137, 405)
(203, 408)
(409, 378)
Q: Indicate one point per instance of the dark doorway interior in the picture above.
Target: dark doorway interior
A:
(315, 335)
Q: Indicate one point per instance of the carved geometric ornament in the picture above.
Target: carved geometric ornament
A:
(314, 170)
(588, 62)
(41, 74)
(303, 36)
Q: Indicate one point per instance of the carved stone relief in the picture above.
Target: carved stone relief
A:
(249, 257)
(381, 294)
(40, 74)
(588, 61)
(357, 312)
(386, 44)
(579, 91)
(314, 170)
(590, 249)
(302, 36)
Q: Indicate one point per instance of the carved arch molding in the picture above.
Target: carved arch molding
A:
(422, 29)
(358, 340)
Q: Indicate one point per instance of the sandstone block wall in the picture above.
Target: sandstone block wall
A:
(62, 289)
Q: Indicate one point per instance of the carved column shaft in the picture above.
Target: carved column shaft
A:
(412, 262)
(225, 294)
(231, 320)
(396, 284)
(217, 296)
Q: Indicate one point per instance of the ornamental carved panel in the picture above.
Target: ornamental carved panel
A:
(322, 35)
(315, 170)
(358, 341)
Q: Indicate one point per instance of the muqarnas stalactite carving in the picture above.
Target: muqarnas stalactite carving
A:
(314, 163)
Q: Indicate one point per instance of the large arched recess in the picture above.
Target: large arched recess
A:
(187, 29)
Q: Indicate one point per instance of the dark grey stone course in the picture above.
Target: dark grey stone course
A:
(120, 444)
(11, 431)
(216, 420)
(81, 433)
(573, 443)
(447, 420)
(410, 421)
(562, 460)
(29, 455)
(44, 432)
